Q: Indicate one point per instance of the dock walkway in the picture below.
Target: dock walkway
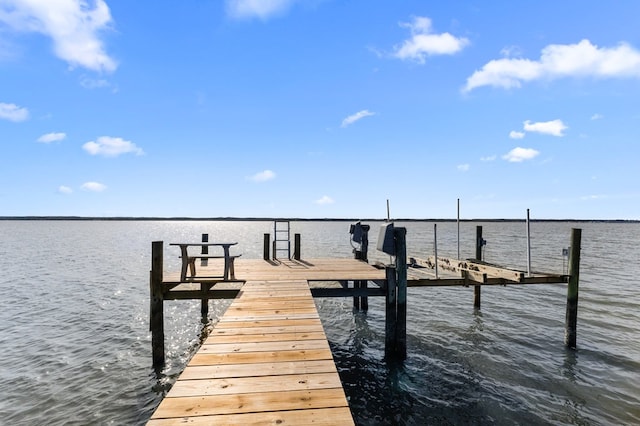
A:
(267, 361)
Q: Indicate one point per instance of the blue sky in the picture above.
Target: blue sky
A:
(320, 108)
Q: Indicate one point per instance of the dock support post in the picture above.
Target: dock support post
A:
(401, 271)
(156, 320)
(571, 320)
(296, 246)
(267, 243)
(204, 302)
(396, 300)
(362, 302)
(477, 289)
(390, 312)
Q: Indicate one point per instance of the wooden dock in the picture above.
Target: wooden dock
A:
(267, 361)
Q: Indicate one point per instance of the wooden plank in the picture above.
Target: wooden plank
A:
(192, 372)
(278, 322)
(260, 357)
(249, 403)
(313, 417)
(493, 271)
(243, 385)
(291, 316)
(273, 310)
(264, 337)
(239, 331)
(268, 346)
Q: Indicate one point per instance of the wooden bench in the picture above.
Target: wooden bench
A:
(191, 261)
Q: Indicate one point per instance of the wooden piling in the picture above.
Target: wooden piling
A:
(477, 289)
(390, 312)
(362, 302)
(204, 303)
(571, 320)
(156, 321)
(267, 244)
(401, 271)
(296, 246)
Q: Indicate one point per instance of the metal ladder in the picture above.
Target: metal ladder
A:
(281, 239)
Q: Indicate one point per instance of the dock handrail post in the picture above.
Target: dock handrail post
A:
(390, 312)
(572, 289)
(401, 271)
(204, 249)
(296, 246)
(204, 302)
(362, 302)
(267, 243)
(364, 256)
(477, 289)
(156, 320)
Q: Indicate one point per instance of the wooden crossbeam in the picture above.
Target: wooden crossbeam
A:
(474, 269)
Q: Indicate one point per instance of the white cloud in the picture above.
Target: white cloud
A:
(463, 167)
(263, 9)
(324, 200)
(424, 43)
(111, 147)
(516, 135)
(597, 116)
(52, 137)
(559, 60)
(64, 189)
(593, 197)
(93, 186)
(92, 83)
(511, 51)
(263, 176)
(13, 112)
(73, 26)
(553, 127)
(518, 155)
(355, 117)
(488, 158)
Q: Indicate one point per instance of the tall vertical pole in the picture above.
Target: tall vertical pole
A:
(528, 246)
(571, 320)
(477, 288)
(458, 221)
(401, 270)
(388, 214)
(156, 320)
(204, 302)
(435, 245)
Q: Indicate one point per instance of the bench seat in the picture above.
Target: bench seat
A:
(191, 260)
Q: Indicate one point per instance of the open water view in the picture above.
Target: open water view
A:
(76, 348)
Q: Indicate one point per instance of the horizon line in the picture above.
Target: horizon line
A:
(300, 219)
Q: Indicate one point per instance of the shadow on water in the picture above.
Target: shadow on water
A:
(424, 389)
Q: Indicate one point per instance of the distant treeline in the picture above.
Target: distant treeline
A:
(297, 219)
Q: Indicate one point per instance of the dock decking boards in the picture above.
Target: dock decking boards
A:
(267, 361)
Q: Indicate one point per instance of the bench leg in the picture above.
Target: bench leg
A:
(192, 266)
(232, 268)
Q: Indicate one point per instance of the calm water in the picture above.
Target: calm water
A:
(76, 347)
